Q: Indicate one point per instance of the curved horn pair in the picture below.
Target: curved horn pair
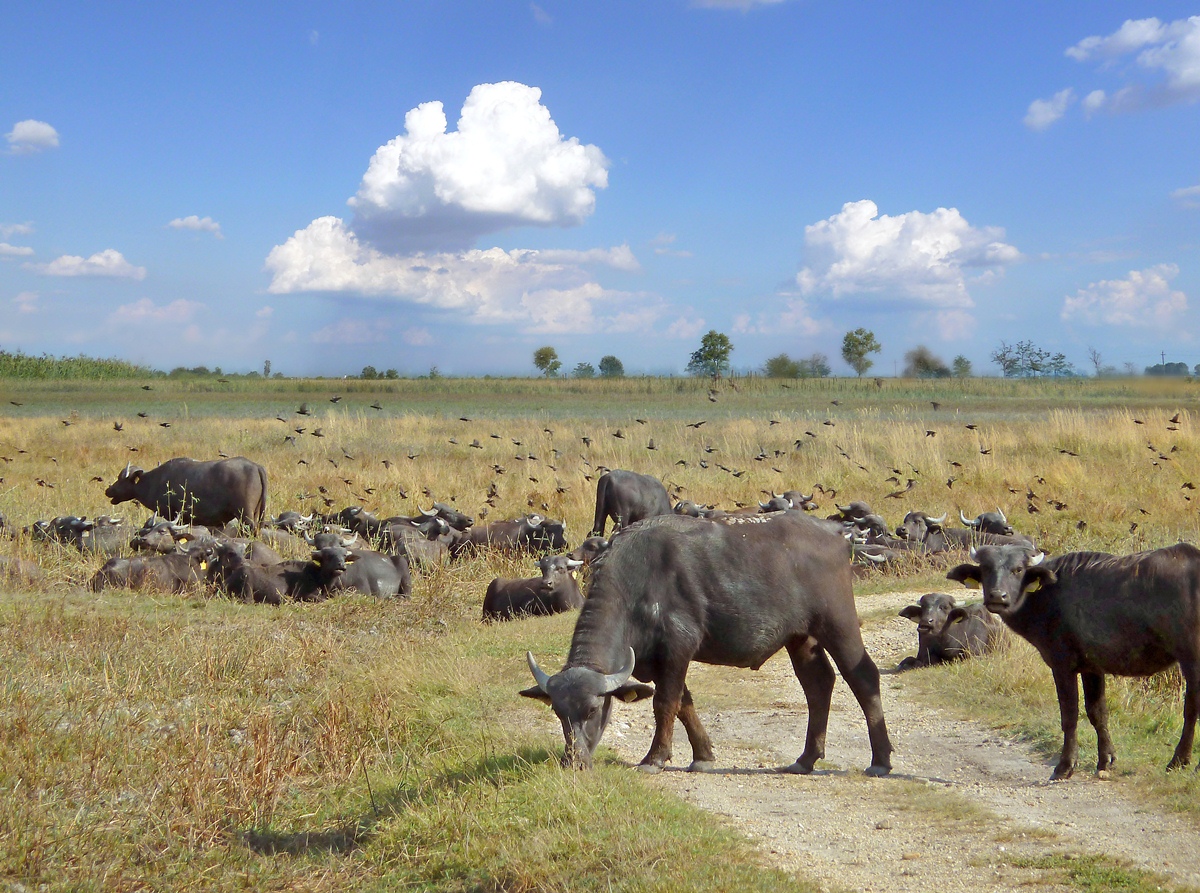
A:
(612, 681)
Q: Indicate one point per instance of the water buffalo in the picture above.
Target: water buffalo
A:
(988, 522)
(1089, 614)
(103, 535)
(627, 497)
(207, 493)
(532, 533)
(675, 589)
(589, 550)
(947, 631)
(851, 512)
(554, 592)
(306, 580)
(162, 573)
(922, 528)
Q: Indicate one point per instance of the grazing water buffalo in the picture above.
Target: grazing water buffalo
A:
(627, 497)
(554, 592)
(947, 631)
(208, 493)
(1089, 614)
(675, 589)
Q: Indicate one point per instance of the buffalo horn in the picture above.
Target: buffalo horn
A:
(571, 562)
(1003, 520)
(971, 554)
(844, 509)
(128, 468)
(965, 519)
(877, 559)
(613, 681)
(766, 505)
(941, 520)
(312, 541)
(428, 514)
(1037, 559)
(536, 520)
(347, 543)
(538, 673)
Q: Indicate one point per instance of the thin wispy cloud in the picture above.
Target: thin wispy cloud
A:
(197, 224)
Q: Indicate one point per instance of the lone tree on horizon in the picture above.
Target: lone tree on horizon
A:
(855, 348)
(547, 361)
(712, 357)
(611, 367)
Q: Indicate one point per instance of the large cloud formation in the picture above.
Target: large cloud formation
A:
(1143, 299)
(505, 165)
(918, 258)
(429, 194)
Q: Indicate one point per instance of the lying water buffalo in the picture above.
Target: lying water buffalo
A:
(208, 493)
(1089, 614)
(627, 497)
(675, 589)
(531, 533)
(947, 631)
(554, 592)
(163, 573)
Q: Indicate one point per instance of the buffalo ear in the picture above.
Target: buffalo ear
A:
(536, 693)
(136, 476)
(967, 574)
(633, 691)
(1037, 577)
(912, 612)
(956, 614)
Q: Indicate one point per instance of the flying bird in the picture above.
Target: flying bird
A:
(697, 425)
(164, 424)
(147, 387)
(303, 410)
(118, 426)
(336, 398)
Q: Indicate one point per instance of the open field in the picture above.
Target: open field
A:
(151, 741)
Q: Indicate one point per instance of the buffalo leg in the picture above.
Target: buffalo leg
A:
(1067, 686)
(862, 676)
(816, 678)
(1191, 712)
(1096, 705)
(668, 693)
(702, 754)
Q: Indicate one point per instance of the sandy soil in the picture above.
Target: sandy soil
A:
(962, 801)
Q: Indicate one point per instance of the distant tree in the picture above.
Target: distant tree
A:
(961, 367)
(434, 373)
(584, 370)
(611, 367)
(1096, 359)
(547, 361)
(920, 362)
(391, 374)
(369, 372)
(1026, 360)
(1160, 369)
(857, 346)
(781, 366)
(1130, 369)
(712, 357)
(266, 369)
(815, 366)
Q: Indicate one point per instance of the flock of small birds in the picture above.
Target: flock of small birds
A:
(904, 482)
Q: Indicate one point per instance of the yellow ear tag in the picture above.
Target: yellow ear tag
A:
(972, 583)
(1034, 586)
(203, 565)
(630, 697)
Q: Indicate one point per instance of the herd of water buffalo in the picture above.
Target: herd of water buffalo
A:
(676, 583)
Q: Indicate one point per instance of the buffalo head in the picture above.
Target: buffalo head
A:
(1006, 574)
(934, 612)
(581, 698)
(124, 488)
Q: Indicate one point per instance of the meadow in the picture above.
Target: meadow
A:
(154, 741)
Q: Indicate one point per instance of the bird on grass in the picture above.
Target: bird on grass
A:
(377, 405)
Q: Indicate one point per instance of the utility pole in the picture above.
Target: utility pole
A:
(1163, 354)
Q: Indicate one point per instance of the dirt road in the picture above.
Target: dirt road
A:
(961, 806)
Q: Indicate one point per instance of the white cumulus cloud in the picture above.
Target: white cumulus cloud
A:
(1044, 112)
(505, 165)
(915, 257)
(198, 224)
(31, 136)
(1143, 299)
(1168, 53)
(7, 250)
(485, 286)
(107, 263)
(795, 318)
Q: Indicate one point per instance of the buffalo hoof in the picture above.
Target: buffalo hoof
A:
(702, 765)
(1062, 773)
(797, 768)
(650, 768)
(877, 771)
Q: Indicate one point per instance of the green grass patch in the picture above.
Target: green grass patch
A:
(1095, 874)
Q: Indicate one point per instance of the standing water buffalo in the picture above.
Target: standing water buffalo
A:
(1088, 614)
(627, 497)
(947, 631)
(676, 589)
(208, 493)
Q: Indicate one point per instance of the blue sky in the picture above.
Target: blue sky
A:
(455, 184)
